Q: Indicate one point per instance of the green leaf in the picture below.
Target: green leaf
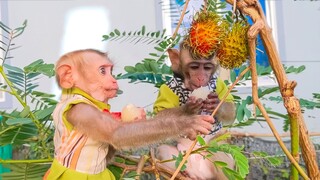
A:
(159, 49)
(13, 68)
(154, 67)
(25, 112)
(220, 164)
(105, 37)
(27, 171)
(268, 91)
(143, 30)
(117, 32)
(179, 160)
(14, 121)
(240, 113)
(130, 69)
(140, 67)
(45, 112)
(233, 76)
(201, 141)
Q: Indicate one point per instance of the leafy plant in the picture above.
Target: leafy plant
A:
(153, 69)
(27, 127)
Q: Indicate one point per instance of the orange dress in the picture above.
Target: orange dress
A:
(77, 156)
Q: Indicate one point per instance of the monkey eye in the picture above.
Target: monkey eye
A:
(208, 66)
(194, 67)
(102, 70)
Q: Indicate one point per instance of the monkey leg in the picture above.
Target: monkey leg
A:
(165, 152)
(200, 168)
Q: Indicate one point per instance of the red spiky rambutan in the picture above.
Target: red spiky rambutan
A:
(205, 34)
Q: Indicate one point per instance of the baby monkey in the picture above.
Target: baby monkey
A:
(191, 73)
(86, 136)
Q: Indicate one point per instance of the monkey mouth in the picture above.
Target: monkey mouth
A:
(111, 89)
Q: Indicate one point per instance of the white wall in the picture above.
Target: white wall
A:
(298, 32)
(299, 45)
(56, 27)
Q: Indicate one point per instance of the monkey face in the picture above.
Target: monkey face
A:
(98, 79)
(198, 72)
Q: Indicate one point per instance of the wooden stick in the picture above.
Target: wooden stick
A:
(181, 19)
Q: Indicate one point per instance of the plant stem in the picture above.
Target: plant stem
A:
(256, 101)
(25, 161)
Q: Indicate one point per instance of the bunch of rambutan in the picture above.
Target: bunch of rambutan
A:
(211, 35)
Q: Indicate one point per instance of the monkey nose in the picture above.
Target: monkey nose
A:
(202, 82)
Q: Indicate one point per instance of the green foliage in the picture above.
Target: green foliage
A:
(8, 35)
(24, 81)
(178, 160)
(272, 160)
(25, 171)
(152, 70)
(241, 161)
(148, 71)
(139, 36)
(244, 112)
(27, 127)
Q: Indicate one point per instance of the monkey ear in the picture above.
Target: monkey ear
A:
(174, 58)
(65, 75)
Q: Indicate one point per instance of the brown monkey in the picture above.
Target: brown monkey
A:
(85, 134)
(190, 74)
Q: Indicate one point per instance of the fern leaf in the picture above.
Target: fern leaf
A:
(141, 36)
(26, 171)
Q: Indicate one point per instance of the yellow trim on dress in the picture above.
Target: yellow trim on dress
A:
(59, 172)
(99, 104)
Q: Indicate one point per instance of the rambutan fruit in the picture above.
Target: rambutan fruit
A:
(233, 51)
(205, 34)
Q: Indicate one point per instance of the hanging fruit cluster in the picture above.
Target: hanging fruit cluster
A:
(212, 35)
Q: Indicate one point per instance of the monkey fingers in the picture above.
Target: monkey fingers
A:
(193, 106)
(210, 104)
(202, 125)
(212, 95)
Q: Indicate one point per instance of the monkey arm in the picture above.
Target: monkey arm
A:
(169, 123)
(227, 111)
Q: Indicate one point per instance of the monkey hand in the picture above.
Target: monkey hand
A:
(193, 105)
(132, 113)
(142, 115)
(211, 103)
(196, 125)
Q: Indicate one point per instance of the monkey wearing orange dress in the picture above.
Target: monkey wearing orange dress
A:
(85, 135)
(190, 74)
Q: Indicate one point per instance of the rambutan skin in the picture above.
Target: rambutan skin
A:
(205, 34)
(233, 51)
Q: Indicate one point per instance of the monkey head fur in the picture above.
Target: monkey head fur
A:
(194, 72)
(89, 70)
